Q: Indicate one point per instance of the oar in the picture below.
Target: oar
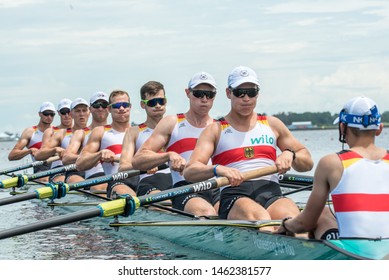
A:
(305, 188)
(58, 190)
(126, 206)
(215, 222)
(295, 179)
(28, 165)
(20, 180)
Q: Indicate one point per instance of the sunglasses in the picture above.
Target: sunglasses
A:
(98, 105)
(48, 113)
(201, 93)
(241, 92)
(64, 111)
(120, 104)
(153, 102)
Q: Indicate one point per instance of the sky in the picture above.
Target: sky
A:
(310, 56)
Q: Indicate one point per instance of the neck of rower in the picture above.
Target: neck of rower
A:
(198, 120)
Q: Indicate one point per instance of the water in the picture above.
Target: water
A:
(95, 240)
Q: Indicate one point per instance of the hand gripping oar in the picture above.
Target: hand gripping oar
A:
(20, 180)
(127, 205)
(28, 165)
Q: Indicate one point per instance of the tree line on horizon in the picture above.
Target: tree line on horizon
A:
(317, 118)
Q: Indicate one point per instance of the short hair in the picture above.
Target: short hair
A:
(152, 88)
(116, 93)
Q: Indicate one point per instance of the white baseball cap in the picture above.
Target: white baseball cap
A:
(64, 103)
(47, 106)
(360, 112)
(78, 101)
(100, 95)
(240, 75)
(201, 78)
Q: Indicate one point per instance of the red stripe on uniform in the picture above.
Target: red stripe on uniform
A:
(238, 154)
(36, 145)
(183, 145)
(116, 149)
(361, 202)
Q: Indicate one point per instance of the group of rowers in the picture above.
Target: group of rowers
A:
(197, 147)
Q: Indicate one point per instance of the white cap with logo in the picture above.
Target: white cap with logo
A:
(78, 101)
(360, 112)
(47, 106)
(100, 95)
(64, 103)
(240, 75)
(201, 78)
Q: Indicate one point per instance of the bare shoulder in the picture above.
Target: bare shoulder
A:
(330, 169)
(166, 125)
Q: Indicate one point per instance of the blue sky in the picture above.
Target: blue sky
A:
(309, 55)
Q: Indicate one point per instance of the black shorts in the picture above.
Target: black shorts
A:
(262, 191)
(212, 196)
(131, 182)
(158, 181)
(52, 177)
(68, 174)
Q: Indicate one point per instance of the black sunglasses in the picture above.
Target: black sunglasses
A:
(120, 104)
(201, 93)
(153, 102)
(64, 111)
(48, 113)
(241, 92)
(98, 105)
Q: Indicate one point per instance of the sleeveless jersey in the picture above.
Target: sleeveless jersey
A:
(183, 141)
(56, 163)
(112, 140)
(361, 198)
(143, 134)
(247, 150)
(36, 140)
(95, 169)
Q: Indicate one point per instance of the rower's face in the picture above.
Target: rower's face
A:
(119, 108)
(80, 115)
(66, 118)
(201, 103)
(99, 113)
(240, 99)
(47, 117)
(155, 109)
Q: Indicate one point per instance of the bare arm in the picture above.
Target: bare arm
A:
(128, 148)
(327, 174)
(18, 150)
(75, 145)
(149, 156)
(51, 144)
(197, 168)
(91, 154)
(303, 161)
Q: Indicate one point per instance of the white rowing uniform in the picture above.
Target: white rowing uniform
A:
(183, 141)
(143, 135)
(247, 150)
(361, 198)
(112, 140)
(95, 169)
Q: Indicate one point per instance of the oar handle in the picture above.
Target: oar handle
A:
(248, 175)
(52, 159)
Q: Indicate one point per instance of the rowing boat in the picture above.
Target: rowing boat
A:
(234, 239)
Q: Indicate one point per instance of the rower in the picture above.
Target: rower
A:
(58, 142)
(153, 101)
(66, 121)
(31, 137)
(105, 142)
(356, 178)
(242, 141)
(176, 135)
(99, 110)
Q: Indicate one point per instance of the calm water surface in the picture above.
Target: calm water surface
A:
(95, 240)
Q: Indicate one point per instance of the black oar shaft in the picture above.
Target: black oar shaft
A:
(17, 198)
(52, 222)
(28, 165)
